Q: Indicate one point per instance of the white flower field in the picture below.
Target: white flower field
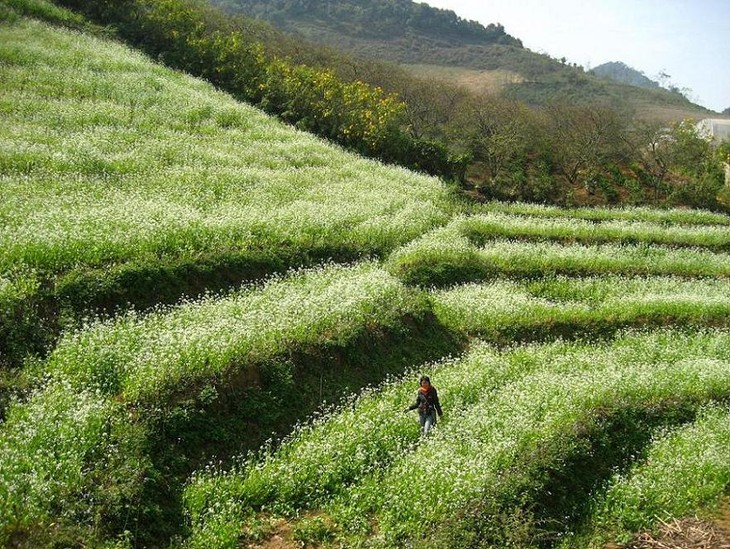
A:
(582, 356)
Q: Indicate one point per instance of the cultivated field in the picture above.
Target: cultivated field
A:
(210, 324)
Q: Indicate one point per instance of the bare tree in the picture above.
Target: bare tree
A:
(430, 106)
(494, 130)
(584, 139)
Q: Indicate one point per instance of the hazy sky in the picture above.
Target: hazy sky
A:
(687, 39)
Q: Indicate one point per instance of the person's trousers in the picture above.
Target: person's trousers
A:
(427, 422)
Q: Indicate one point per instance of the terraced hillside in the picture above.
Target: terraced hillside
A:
(210, 324)
(125, 182)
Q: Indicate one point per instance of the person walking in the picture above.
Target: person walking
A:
(428, 405)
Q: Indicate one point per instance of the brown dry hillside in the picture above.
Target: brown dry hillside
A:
(498, 81)
(479, 81)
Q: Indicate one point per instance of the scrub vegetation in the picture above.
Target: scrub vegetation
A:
(210, 323)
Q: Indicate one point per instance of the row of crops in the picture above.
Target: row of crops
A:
(530, 434)
(506, 410)
(582, 356)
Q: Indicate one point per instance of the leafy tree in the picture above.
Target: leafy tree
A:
(701, 176)
(723, 152)
(688, 152)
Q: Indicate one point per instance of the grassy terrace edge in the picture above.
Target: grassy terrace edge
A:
(503, 311)
(139, 401)
(532, 420)
(447, 257)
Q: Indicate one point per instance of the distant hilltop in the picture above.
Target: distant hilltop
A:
(621, 72)
(436, 44)
(361, 20)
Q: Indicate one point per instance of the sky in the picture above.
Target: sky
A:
(688, 40)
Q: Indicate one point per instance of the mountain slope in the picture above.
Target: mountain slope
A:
(378, 20)
(124, 183)
(621, 72)
(221, 192)
(410, 33)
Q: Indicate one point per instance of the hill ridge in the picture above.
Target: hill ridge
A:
(440, 40)
(621, 72)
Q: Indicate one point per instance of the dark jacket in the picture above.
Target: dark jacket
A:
(427, 402)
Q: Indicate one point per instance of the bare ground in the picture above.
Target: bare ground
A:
(688, 533)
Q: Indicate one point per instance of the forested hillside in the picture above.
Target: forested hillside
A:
(211, 322)
(387, 19)
(412, 34)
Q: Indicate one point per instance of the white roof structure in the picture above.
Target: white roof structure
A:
(716, 128)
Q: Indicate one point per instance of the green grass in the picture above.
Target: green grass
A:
(45, 11)
(483, 228)
(146, 358)
(69, 465)
(685, 472)
(444, 257)
(18, 316)
(676, 216)
(125, 182)
(164, 371)
(108, 158)
(495, 457)
(366, 435)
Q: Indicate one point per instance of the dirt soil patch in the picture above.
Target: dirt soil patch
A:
(280, 538)
(689, 533)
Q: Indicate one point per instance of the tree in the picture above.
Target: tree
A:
(723, 152)
(652, 145)
(430, 106)
(679, 159)
(494, 131)
(584, 139)
(690, 152)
